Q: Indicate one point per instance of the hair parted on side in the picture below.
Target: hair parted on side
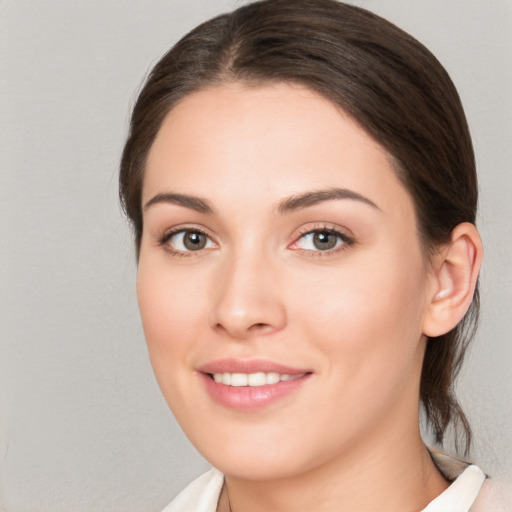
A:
(385, 79)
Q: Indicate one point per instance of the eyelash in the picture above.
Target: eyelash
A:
(166, 237)
(345, 240)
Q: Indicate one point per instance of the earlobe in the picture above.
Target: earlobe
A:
(456, 269)
(442, 294)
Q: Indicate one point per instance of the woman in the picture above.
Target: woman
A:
(301, 182)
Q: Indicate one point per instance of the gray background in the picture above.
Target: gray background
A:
(82, 424)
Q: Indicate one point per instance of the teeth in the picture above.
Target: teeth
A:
(253, 379)
(256, 379)
(238, 379)
(272, 378)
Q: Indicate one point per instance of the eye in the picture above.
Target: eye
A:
(187, 240)
(322, 240)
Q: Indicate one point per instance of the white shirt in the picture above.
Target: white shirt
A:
(202, 495)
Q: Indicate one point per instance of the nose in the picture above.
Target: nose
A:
(248, 300)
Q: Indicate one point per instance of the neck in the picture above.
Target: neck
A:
(399, 474)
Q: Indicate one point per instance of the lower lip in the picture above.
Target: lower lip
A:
(248, 398)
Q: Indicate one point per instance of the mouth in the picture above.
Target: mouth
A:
(251, 385)
(256, 379)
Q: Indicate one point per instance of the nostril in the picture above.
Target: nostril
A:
(260, 326)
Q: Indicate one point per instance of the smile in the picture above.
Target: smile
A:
(251, 385)
(253, 379)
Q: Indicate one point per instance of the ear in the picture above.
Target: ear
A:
(455, 274)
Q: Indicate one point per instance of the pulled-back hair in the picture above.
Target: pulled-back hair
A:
(385, 79)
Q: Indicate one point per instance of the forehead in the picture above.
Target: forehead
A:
(281, 139)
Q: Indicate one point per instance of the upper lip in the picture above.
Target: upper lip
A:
(249, 366)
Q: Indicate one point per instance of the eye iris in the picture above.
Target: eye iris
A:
(324, 240)
(194, 241)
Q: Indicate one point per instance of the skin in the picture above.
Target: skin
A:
(355, 316)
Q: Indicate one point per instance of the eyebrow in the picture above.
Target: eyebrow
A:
(192, 202)
(307, 199)
(288, 205)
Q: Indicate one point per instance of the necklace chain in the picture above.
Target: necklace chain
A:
(227, 494)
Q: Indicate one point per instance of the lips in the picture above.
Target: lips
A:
(252, 384)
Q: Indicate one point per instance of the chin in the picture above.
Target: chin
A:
(258, 469)
(261, 453)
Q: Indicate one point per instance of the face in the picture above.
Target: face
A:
(281, 282)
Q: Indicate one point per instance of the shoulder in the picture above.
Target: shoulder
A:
(492, 498)
(201, 495)
(470, 485)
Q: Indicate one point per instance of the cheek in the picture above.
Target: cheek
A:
(172, 313)
(368, 318)
(372, 293)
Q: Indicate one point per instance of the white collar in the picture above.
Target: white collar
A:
(461, 494)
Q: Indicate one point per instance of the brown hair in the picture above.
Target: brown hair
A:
(385, 79)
